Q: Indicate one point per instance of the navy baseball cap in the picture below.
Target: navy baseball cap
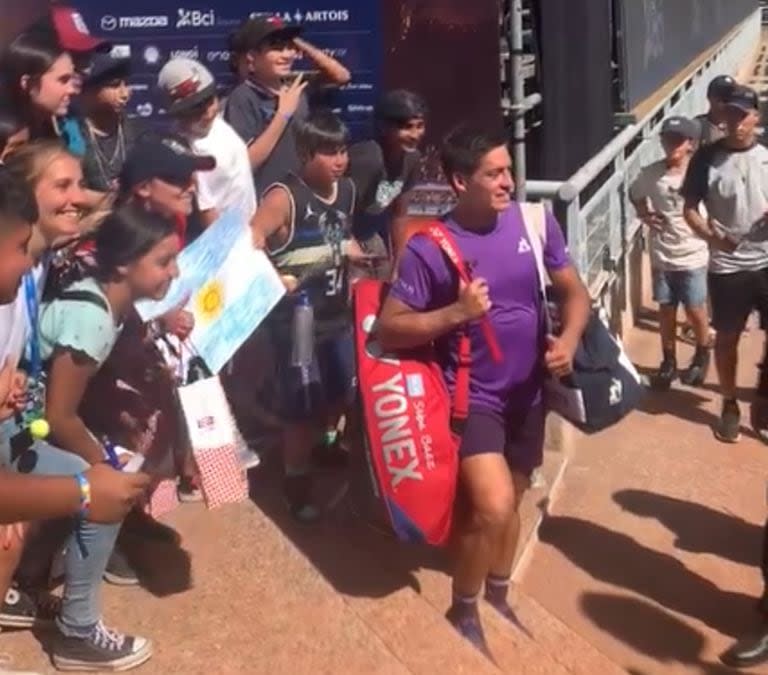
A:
(742, 97)
(720, 86)
(162, 157)
(104, 68)
(258, 28)
(681, 126)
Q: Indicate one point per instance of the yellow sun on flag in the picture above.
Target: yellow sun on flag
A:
(210, 301)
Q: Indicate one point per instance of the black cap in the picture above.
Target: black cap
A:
(103, 68)
(742, 97)
(400, 105)
(163, 157)
(681, 126)
(720, 86)
(253, 32)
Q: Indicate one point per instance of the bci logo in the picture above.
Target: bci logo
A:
(195, 18)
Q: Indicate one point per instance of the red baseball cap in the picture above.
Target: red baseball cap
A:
(72, 32)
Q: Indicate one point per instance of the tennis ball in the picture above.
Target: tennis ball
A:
(40, 429)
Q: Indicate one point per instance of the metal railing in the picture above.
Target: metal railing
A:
(593, 205)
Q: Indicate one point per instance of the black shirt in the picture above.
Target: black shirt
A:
(250, 109)
(313, 252)
(105, 155)
(378, 186)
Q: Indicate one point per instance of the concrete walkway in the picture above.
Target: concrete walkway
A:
(651, 551)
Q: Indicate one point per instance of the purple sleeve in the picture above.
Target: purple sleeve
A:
(420, 275)
(556, 255)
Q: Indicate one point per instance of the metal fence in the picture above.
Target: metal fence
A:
(593, 205)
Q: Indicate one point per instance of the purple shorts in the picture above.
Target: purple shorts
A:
(520, 438)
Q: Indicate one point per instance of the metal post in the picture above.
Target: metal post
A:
(518, 98)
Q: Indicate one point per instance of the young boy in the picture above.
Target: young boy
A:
(193, 103)
(108, 133)
(385, 169)
(265, 108)
(679, 257)
(304, 222)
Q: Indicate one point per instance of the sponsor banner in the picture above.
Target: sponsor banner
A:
(150, 32)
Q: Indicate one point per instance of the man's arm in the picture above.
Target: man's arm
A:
(575, 306)
(272, 217)
(261, 140)
(401, 327)
(696, 221)
(331, 70)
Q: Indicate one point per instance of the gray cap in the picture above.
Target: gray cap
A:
(186, 83)
(681, 126)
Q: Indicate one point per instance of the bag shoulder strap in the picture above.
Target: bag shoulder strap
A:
(438, 233)
(535, 221)
(84, 295)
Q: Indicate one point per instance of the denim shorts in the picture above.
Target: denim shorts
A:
(684, 287)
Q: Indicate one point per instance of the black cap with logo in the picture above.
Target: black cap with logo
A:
(253, 32)
(742, 97)
(162, 157)
(681, 126)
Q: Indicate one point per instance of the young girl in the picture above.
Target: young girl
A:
(39, 79)
(82, 641)
(135, 258)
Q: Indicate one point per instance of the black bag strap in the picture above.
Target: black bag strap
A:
(84, 295)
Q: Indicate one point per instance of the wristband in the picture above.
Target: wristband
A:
(85, 495)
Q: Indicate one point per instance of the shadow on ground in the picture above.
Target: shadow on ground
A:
(698, 528)
(617, 559)
(357, 559)
(650, 631)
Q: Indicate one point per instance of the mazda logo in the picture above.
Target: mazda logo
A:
(108, 22)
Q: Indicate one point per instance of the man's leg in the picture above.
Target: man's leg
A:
(733, 299)
(486, 503)
(663, 294)
(524, 453)
(693, 295)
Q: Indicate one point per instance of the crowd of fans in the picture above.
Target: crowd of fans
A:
(95, 208)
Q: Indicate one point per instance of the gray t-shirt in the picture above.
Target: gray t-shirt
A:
(676, 247)
(249, 110)
(733, 184)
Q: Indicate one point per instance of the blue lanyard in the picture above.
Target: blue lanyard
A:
(33, 316)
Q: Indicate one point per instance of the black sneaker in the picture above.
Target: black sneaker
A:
(728, 429)
(103, 650)
(663, 378)
(298, 494)
(696, 373)
(22, 609)
(333, 456)
(119, 571)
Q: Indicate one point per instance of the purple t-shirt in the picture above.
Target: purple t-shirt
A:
(503, 256)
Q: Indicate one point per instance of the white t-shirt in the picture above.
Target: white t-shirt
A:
(230, 185)
(676, 247)
(14, 322)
